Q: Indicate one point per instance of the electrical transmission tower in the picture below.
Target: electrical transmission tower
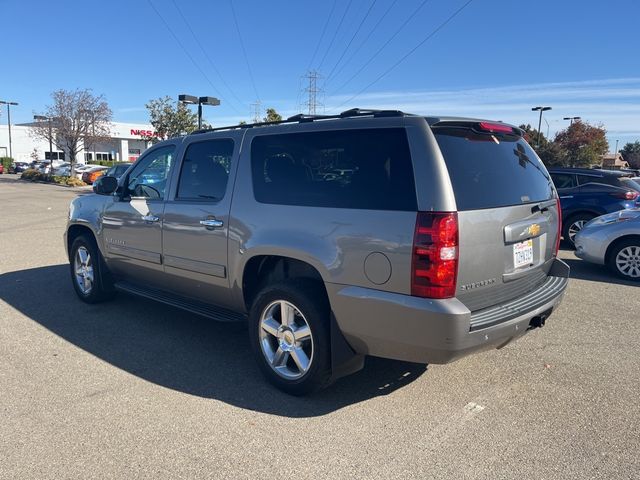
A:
(313, 92)
(256, 111)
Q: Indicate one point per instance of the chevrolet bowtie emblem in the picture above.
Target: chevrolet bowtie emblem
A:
(534, 230)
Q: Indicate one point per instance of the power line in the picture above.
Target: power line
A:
(427, 38)
(366, 15)
(424, 2)
(206, 54)
(244, 52)
(335, 34)
(364, 42)
(189, 55)
(324, 29)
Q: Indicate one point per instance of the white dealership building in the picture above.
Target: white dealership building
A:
(126, 143)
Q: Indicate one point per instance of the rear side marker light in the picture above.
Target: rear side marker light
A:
(434, 268)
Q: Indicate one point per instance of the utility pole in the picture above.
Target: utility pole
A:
(615, 153)
(256, 111)
(313, 92)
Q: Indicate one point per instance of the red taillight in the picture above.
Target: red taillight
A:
(434, 263)
(628, 195)
(495, 127)
(559, 226)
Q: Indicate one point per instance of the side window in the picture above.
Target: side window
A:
(205, 170)
(360, 169)
(149, 177)
(583, 179)
(563, 180)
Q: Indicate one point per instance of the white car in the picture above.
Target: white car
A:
(62, 170)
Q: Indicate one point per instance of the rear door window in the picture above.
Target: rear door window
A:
(360, 169)
(490, 170)
(584, 179)
(564, 180)
(205, 170)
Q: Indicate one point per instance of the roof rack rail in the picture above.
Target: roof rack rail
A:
(359, 112)
(302, 118)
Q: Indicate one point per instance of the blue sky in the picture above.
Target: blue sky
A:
(495, 59)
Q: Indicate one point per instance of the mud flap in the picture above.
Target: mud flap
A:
(344, 361)
(559, 269)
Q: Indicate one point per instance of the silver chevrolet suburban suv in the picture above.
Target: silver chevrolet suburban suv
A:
(335, 237)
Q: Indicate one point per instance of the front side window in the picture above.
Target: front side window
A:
(359, 169)
(149, 177)
(205, 170)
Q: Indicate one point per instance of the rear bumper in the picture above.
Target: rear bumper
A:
(420, 330)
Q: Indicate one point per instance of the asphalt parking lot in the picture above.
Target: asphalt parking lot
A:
(134, 389)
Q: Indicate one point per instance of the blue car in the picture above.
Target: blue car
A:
(586, 194)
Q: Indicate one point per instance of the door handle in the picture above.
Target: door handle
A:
(211, 223)
(150, 218)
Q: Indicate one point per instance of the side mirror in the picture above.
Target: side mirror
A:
(105, 185)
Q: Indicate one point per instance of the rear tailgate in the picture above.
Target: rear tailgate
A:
(507, 212)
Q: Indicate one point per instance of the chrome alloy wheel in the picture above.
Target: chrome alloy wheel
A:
(83, 268)
(575, 227)
(628, 261)
(286, 340)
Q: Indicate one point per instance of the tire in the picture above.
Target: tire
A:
(573, 225)
(294, 355)
(89, 274)
(624, 259)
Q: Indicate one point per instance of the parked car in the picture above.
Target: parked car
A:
(613, 240)
(241, 223)
(118, 169)
(91, 175)
(19, 167)
(83, 167)
(1, 169)
(63, 170)
(588, 193)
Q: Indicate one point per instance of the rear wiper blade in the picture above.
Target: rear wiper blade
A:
(544, 206)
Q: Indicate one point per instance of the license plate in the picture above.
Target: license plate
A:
(523, 253)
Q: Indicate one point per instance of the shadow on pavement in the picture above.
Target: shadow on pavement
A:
(582, 270)
(182, 351)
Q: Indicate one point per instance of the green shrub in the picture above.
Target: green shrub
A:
(6, 163)
(35, 176)
(72, 182)
(32, 174)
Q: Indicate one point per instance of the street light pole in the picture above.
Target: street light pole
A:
(571, 119)
(8, 104)
(541, 109)
(49, 119)
(192, 100)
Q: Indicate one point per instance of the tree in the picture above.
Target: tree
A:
(631, 153)
(77, 118)
(272, 116)
(170, 118)
(549, 152)
(582, 144)
(35, 155)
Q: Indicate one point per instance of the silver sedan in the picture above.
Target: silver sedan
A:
(613, 240)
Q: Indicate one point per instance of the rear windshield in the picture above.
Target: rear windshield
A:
(632, 183)
(489, 171)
